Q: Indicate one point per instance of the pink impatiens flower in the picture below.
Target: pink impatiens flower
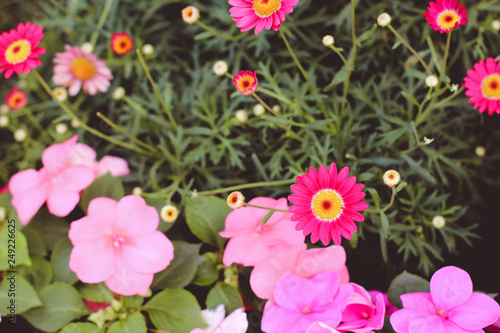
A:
(320, 327)
(251, 242)
(117, 242)
(58, 183)
(236, 322)
(299, 302)
(84, 155)
(451, 306)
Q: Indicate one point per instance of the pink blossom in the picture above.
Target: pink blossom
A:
(495, 327)
(117, 242)
(299, 261)
(236, 322)
(362, 313)
(58, 183)
(299, 302)
(451, 306)
(84, 155)
(320, 327)
(251, 242)
(389, 308)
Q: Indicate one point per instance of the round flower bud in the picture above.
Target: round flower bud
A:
(169, 213)
(75, 123)
(276, 108)
(148, 49)
(496, 25)
(220, 67)
(60, 93)
(190, 14)
(328, 40)
(391, 178)
(3, 214)
(4, 121)
(438, 222)
(258, 110)
(61, 128)
(480, 151)
(241, 116)
(420, 229)
(384, 19)
(21, 84)
(20, 135)
(4, 108)
(118, 93)
(87, 48)
(235, 200)
(137, 191)
(431, 81)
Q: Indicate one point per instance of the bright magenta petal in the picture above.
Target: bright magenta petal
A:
(450, 287)
(478, 312)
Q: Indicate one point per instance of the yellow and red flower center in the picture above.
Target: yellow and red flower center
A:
(491, 86)
(18, 51)
(448, 19)
(245, 82)
(391, 176)
(17, 100)
(170, 213)
(122, 44)
(306, 310)
(188, 12)
(266, 8)
(327, 205)
(82, 68)
(234, 198)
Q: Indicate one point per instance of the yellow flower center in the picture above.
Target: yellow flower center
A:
(233, 198)
(266, 8)
(82, 68)
(188, 12)
(122, 44)
(245, 82)
(491, 86)
(448, 19)
(391, 175)
(18, 51)
(327, 205)
(16, 99)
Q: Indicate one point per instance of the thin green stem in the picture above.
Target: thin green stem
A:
(297, 62)
(350, 67)
(84, 125)
(446, 52)
(411, 49)
(268, 208)
(249, 185)
(336, 50)
(102, 20)
(78, 18)
(38, 126)
(391, 202)
(157, 91)
(273, 94)
(218, 34)
(275, 113)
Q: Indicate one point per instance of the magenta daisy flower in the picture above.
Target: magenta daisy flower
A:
(483, 86)
(76, 69)
(261, 14)
(246, 82)
(446, 15)
(19, 49)
(327, 204)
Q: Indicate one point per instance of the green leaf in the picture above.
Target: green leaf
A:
(175, 310)
(36, 244)
(375, 196)
(134, 323)
(39, 274)
(60, 261)
(104, 186)
(406, 283)
(206, 272)
(181, 270)
(81, 328)
(132, 302)
(13, 247)
(61, 305)
(415, 166)
(50, 227)
(5, 202)
(224, 293)
(384, 221)
(409, 96)
(22, 294)
(340, 77)
(98, 292)
(367, 34)
(401, 186)
(206, 217)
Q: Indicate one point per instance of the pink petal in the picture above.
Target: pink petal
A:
(450, 287)
(30, 190)
(117, 166)
(314, 261)
(236, 322)
(150, 253)
(135, 217)
(92, 261)
(248, 250)
(83, 154)
(126, 281)
(478, 312)
(55, 157)
(434, 324)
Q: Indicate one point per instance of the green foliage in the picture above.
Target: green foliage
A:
(224, 293)
(60, 261)
(104, 186)
(18, 289)
(406, 283)
(133, 324)
(81, 328)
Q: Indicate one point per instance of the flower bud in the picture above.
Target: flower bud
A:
(4, 121)
(276, 108)
(137, 191)
(169, 213)
(438, 222)
(87, 48)
(431, 81)
(21, 84)
(480, 151)
(4, 108)
(391, 178)
(118, 93)
(220, 67)
(496, 25)
(61, 128)
(241, 116)
(20, 135)
(148, 49)
(384, 19)
(235, 200)
(3, 214)
(60, 93)
(75, 123)
(328, 40)
(190, 14)
(258, 110)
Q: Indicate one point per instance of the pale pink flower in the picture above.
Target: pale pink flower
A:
(83, 154)
(362, 313)
(320, 327)
(117, 242)
(299, 302)
(251, 242)
(76, 69)
(58, 183)
(299, 261)
(236, 322)
(451, 306)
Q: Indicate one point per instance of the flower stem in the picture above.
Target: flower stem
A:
(391, 202)
(102, 20)
(410, 48)
(297, 62)
(157, 92)
(78, 18)
(350, 67)
(275, 95)
(276, 114)
(39, 127)
(84, 125)
(336, 50)
(268, 208)
(249, 185)
(445, 57)
(218, 34)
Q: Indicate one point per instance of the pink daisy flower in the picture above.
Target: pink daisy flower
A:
(483, 86)
(19, 49)
(446, 15)
(16, 99)
(77, 69)
(121, 43)
(261, 14)
(326, 204)
(246, 82)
